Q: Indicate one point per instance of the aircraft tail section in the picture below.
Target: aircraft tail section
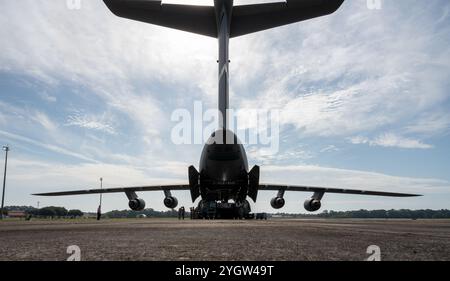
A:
(244, 19)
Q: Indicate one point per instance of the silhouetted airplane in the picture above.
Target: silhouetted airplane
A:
(224, 180)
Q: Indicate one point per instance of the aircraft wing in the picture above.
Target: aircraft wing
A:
(116, 190)
(196, 19)
(257, 17)
(332, 190)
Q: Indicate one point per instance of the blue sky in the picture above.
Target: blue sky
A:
(364, 97)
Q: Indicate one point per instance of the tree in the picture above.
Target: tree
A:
(75, 213)
(53, 211)
(47, 212)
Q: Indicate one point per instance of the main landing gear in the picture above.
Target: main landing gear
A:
(222, 210)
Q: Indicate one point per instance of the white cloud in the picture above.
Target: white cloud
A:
(431, 124)
(356, 71)
(391, 140)
(329, 148)
(2, 119)
(359, 140)
(47, 97)
(328, 79)
(267, 156)
(44, 121)
(91, 122)
(15, 114)
(108, 59)
(50, 147)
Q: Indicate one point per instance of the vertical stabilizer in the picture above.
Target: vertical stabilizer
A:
(224, 9)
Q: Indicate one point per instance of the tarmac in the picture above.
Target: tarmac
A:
(221, 240)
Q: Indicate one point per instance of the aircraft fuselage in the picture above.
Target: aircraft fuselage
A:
(223, 168)
(224, 173)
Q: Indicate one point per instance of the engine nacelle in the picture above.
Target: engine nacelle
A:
(277, 202)
(170, 202)
(136, 204)
(312, 205)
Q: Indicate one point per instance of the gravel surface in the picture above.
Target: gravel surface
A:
(276, 239)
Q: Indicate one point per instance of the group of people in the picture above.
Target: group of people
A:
(182, 212)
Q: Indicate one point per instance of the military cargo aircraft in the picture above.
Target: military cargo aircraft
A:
(224, 181)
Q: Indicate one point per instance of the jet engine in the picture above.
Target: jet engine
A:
(170, 202)
(277, 202)
(312, 205)
(136, 204)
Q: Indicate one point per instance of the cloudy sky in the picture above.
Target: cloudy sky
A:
(363, 96)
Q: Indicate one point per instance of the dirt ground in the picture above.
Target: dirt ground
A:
(276, 239)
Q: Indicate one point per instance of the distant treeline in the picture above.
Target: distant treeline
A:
(363, 214)
(59, 212)
(147, 212)
(51, 211)
(378, 214)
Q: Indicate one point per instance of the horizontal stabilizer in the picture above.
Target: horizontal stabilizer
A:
(253, 18)
(202, 20)
(196, 19)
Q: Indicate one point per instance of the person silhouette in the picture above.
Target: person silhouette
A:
(182, 212)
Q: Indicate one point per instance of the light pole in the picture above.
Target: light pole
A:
(99, 210)
(6, 149)
(101, 194)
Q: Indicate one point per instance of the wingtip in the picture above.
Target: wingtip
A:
(334, 5)
(113, 6)
(42, 194)
(413, 195)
